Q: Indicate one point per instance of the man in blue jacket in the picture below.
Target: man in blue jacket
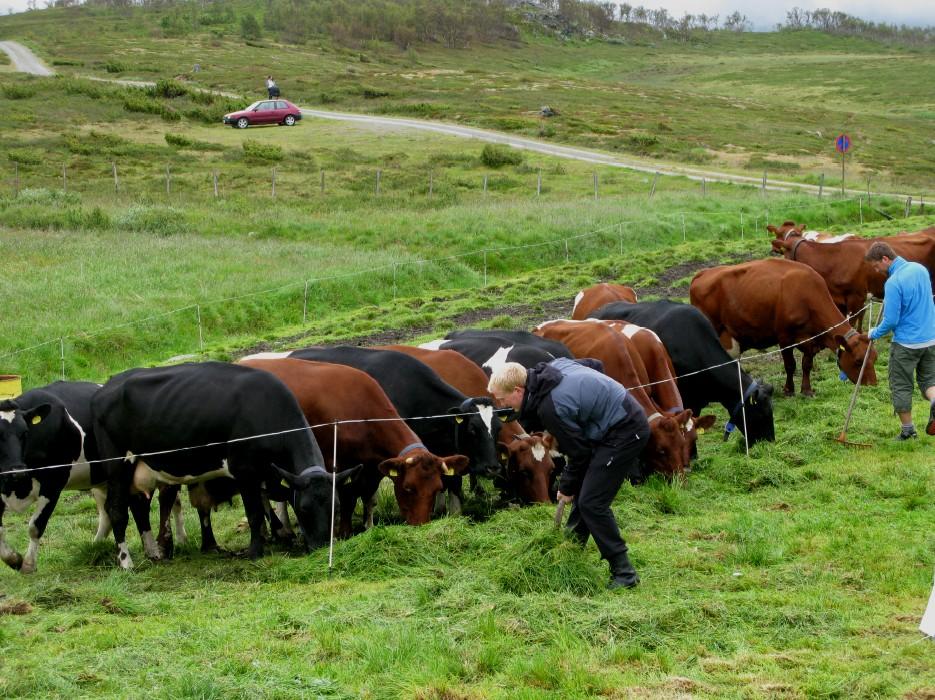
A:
(600, 429)
(909, 312)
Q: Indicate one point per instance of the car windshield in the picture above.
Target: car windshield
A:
(253, 106)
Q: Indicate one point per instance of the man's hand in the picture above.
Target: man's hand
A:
(562, 498)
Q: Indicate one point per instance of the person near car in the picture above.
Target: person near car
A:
(271, 89)
(602, 431)
(909, 313)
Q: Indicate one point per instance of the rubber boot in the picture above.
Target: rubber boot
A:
(622, 573)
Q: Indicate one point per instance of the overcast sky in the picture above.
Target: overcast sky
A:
(763, 15)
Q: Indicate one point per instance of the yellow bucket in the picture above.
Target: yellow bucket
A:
(11, 386)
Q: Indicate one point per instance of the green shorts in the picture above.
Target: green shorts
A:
(904, 362)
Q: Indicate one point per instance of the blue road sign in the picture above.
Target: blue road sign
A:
(843, 143)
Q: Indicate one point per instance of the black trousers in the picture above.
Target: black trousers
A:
(613, 461)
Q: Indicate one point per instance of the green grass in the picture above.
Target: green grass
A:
(802, 571)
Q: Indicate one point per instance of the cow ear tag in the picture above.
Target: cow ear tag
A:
(393, 472)
(842, 348)
(504, 418)
(700, 431)
(504, 456)
(284, 484)
(448, 471)
(410, 460)
(36, 420)
(459, 419)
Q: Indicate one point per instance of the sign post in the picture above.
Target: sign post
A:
(843, 144)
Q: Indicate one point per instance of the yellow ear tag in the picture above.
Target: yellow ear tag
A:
(410, 460)
(447, 471)
(504, 456)
(842, 348)
(284, 484)
(36, 420)
(700, 431)
(393, 472)
(459, 419)
(504, 419)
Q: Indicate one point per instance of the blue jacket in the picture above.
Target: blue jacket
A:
(908, 309)
(579, 405)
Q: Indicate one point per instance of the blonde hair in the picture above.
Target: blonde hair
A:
(507, 378)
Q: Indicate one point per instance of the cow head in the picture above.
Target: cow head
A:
(779, 247)
(529, 466)
(417, 479)
(758, 411)
(852, 348)
(311, 500)
(692, 428)
(667, 449)
(16, 425)
(787, 230)
(477, 428)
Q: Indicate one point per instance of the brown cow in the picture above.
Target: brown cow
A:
(329, 392)
(666, 452)
(596, 296)
(767, 302)
(663, 389)
(527, 474)
(790, 230)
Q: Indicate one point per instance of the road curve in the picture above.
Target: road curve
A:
(25, 61)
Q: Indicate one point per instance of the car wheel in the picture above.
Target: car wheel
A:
(243, 123)
(289, 120)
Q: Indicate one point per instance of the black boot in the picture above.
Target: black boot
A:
(622, 573)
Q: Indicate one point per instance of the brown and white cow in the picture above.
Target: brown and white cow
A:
(528, 473)
(790, 231)
(386, 447)
(667, 451)
(763, 303)
(596, 296)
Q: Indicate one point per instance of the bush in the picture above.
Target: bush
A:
(18, 92)
(262, 151)
(114, 67)
(494, 156)
(249, 27)
(178, 140)
(151, 219)
(169, 89)
(24, 156)
(370, 93)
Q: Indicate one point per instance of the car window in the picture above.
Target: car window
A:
(280, 105)
(266, 106)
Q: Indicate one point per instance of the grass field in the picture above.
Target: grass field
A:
(799, 572)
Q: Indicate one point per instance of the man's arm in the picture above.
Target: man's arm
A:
(892, 307)
(572, 443)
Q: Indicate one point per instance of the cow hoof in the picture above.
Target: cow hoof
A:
(808, 394)
(788, 393)
(28, 568)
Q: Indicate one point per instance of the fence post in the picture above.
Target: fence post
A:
(869, 203)
(274, 184)
(485, 183)
(394, 280)
(741, 224)
(860, 205)
(485, 268)
(620, 234)
(764, 182)
(116, 182)
(683, 228)
(305, 304)
(431, 183)
(379, 173)
(821, 185)
(908, 207)
(704, 187)
(62, 347)
(15, 178)
(201, 334)
(566, 250)
(64, 178)
(215, 184)
(921, 204)
(595, 186)
(539, 184)
(322, 182)
(168, 181)
(652, 190)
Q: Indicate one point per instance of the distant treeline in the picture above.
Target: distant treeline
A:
(833, 22)
(458, 23)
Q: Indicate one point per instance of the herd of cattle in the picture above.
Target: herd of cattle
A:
(319, 428)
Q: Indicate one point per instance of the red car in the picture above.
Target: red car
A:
(265, 112)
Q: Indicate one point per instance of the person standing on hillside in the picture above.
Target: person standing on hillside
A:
(909, 312)
(271, 88)
(602, 431)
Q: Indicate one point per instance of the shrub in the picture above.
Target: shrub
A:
(114, 67)
(249, 27)
(43, 195)
(24, 156)
(370, 93)
(178, 140)
(169, 89)
(494, 156)
(18, 92)
(262, 151)
(160, 220)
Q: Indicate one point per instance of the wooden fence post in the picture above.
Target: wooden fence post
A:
(595, 187)
(764, 182)
(431, 183)
(704, 187)
(116, 182)
(16, 178)
(215, 184)
(821, 185)
(322, 181)
(168, 181)
(274, 184)
(379, 173)
(652, 190)
(64, 178)
(908, 207)
(485, 183)
(539, 184)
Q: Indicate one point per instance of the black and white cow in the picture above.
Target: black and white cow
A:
(43, 428)
(416, 390)
(693, 345)
(491, 349)
(194, 422)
